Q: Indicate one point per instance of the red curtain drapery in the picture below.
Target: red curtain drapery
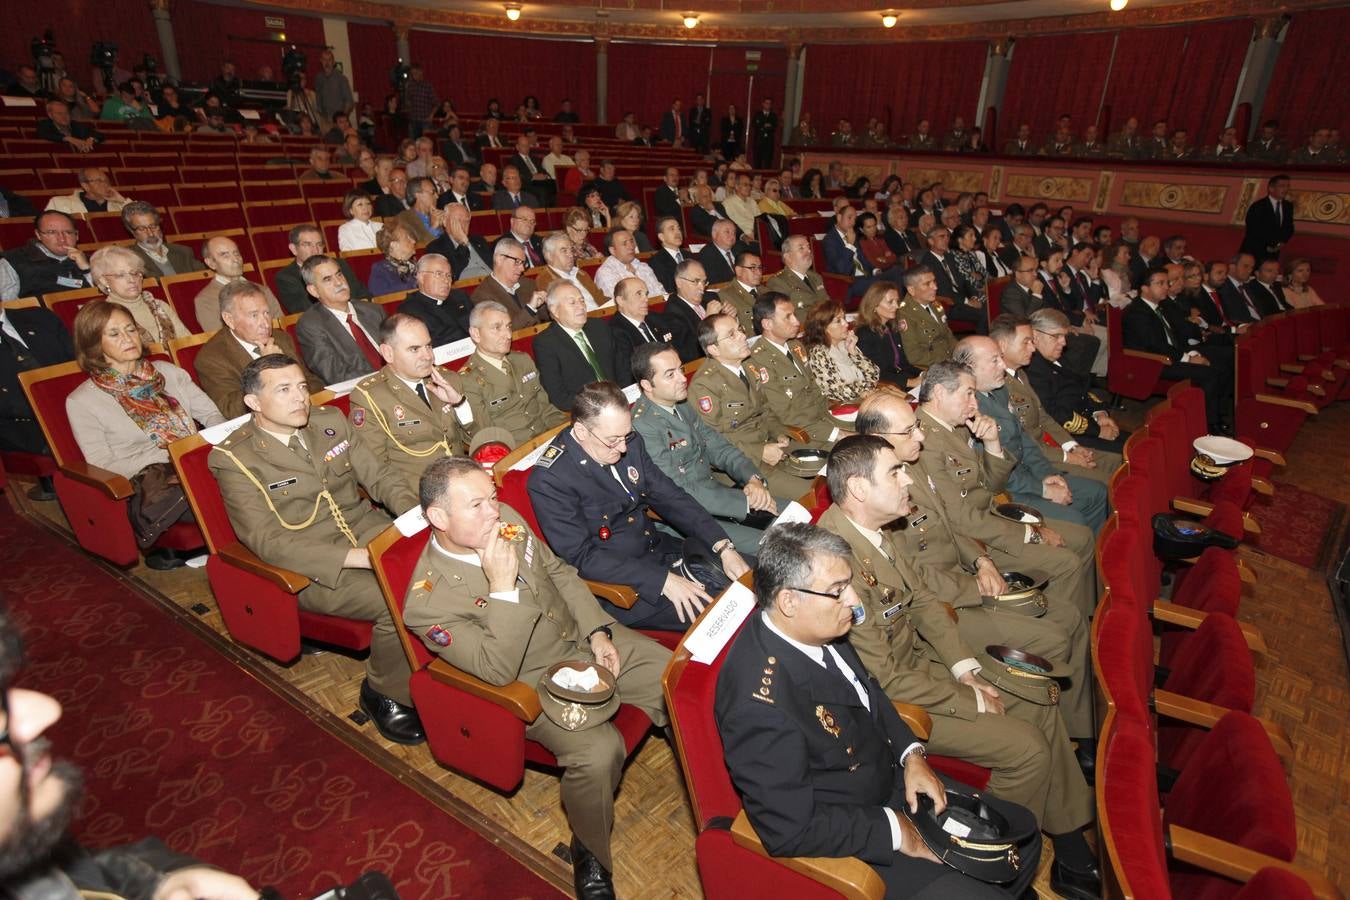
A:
(1055, 75)
(76, 25)
(374, 54)
(207, 34)
(1307, 90)
(898, 83)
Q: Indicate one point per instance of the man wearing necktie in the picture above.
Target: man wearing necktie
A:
(576, 350)
(1269, 221)
(511, 194)
(411, 412)
(337, 333)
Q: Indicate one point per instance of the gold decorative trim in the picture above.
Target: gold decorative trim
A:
(1245, 199)
(1324, 207)
(1050, 187)
(996, 183)
(1204, 198)
(1103, 191)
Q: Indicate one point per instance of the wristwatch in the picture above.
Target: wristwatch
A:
(603, 629)
(722, 546)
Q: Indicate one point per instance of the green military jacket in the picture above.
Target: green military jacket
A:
(790, 390)
(687, 449)
(735, 411)
(737, 301)
(803, 294)
(925, 339)
(510, 397)
(945, 556)
(401, 430)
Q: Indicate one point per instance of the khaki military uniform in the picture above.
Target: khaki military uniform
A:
(947, 560)
(737, 301)
(1027, 750)
(509, 397)
(450, 608)
(302, 509)
(1027, 407)
(739, 413)
(965, 480)
(791, 392)
(924, 339)
(400, 429)
(803, 294)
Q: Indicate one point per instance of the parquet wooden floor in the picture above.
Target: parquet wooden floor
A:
(1304, 685)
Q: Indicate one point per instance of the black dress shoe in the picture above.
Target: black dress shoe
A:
(1075, 885)
(162, 559)
(589, 877)
(45, 489)
(398, 723)
(1086, 752)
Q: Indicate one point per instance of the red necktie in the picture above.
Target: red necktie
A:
(529, 253)
(363, 344)
(1218, 304)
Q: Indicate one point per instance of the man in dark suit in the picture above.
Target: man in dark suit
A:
(966, 306)
(700, 125)
(395, 200)
(1144, 326)
(575, 350)
(670, 252)
(666, 198)
(443, 311)
(686, 304)
(512, 193)
(701, 220)
(306, 241)
(339, 336)
(30, 338)
(15, 206)
(792, 692)
(532, 174)
(763, 133)
(1067, 395)
(1234, 292)
(635, 325)
(521, 297)
(521, 229)
(488, 137)
(718, 256)
(457, 151)
(459, 192)
(674, 131)
(1266, 291)
(161, 258)
(60, 129)
(469, 254)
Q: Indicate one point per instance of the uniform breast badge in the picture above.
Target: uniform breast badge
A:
(633, 474)
(400, 413)
(330, 432)
(438, 636)
(827, 721)
(358, 417)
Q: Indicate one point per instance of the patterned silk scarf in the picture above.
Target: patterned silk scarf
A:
(141, 396)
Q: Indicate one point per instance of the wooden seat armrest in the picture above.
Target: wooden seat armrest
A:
(800, 435)
(1186, 617)
(517, 698)
(1204, 508)
(1273, 456)
(1207, 715)
(620, 595)
(1273, 400)
(1280, 383)
(110, 483)
(1156, 357)
(1263, 486)
(1291, 368)
(236, 554)
(848, 876)
(1340, 363)
(916, 717)
(1238, 863)
(1306, 357)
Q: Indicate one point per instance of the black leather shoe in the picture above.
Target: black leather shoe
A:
(45, 489)
(589, 877)
(163, 559)
(1075, 885)
(1086, 752)
(398, 723)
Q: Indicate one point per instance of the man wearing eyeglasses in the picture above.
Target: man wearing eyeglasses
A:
(96, 194)
(591, 491)
(521, 229)
(50, 262)
(507, 286)
(622, 263)
(575, 350)
(443, 311)
(39, 797)
(141, 220)
(739, 295)
(305, 241)
(1066, 395)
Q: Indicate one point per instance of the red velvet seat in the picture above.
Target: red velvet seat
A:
(475, 728)
(188, 219)
(1175, 437)
(257, 600)
(1131, 373)
(94, 500)
(1274, 417)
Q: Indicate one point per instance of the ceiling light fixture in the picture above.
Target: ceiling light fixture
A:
(1118, 5)
(888, 19)
(513, 11)
(690, 20)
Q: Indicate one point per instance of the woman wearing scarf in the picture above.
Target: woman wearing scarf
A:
(119, 274)
(126, 415)
(397, 271)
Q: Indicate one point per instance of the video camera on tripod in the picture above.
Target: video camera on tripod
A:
(103, 56)
(44, 52)
(293, 66)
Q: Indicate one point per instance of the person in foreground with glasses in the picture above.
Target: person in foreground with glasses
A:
(38, 799)
(591, 491)
(50, 262)
(824, 764)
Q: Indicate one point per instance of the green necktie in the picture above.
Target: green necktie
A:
(586, 351)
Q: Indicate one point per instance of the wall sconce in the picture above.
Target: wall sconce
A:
(1118, 5)
(690, 20)
(513, 11)
(888, 19)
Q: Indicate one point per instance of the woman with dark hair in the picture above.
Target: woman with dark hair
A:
(445, 116)
(1116, 274)
(890, 186)
(532, 110)
(873, 243)
(841, 370)
(494, 109)
(974, 143)
(398, 270)
(860, 188)
(360, 231)
(593, 204)
(968, 265)
(879, 335)
(811, 186)
(126, 415)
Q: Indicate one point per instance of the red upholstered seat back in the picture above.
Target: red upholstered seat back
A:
(1124, 654)
(1273, 882)
(187, 359)
(513, 494)
(1169, 427)
(1211, 664)
(49, 402)
(397, 564)
(212, 518)
(1128, 801)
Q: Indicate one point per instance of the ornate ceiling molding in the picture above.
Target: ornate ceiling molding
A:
(424, 18)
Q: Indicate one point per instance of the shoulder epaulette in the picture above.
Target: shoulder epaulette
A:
(550, 456)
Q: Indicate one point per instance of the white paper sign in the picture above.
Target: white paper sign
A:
(411, 522)
(530, 458)
(720, 623)
(455, 350)
(793, 512)
(217, 433)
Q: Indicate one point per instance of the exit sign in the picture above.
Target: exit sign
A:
(276, 23)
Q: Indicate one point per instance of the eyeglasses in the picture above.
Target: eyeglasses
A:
(144, 229)
(836, 596)
(436, 273)
(518, 260)
(6, 737)
(904, 433)
(613, 443)
(1054, 335)
(694, 280)
(750, 268)
(136, 275)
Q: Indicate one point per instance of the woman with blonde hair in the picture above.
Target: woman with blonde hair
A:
(842, 372)
(879, 335)
(1297, 291)
(120, 274)
(126, 415)
(629, 215)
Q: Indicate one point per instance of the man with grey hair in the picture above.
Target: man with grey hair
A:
(622, 262)
(718, 256)
(306, 240)
(222, 256)
(793, 692)
(249, 333)
(1067, 396)
(501, 384)
(560, 256)
(338, 335)
(508, 287)
(445, 312)
(422, 219)
(468, 253)
(576, 350)
(96, 194)
(141, 220)
(797, 280)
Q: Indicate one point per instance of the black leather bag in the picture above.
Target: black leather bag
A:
(1177, 538)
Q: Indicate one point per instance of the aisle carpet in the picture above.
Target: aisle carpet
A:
(1298, 526)
(179, 742)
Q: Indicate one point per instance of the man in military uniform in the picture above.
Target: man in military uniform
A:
(687, 449)
(591, 490)
(797, 280)
(733, 403)
(505, 609)
(501, 384)
(792, 694)
(1034, 479)
(290, 479)
(903, 634)
(924, 332)
(764, 128)
(963, 455)
(405, 413)
(790, 390)
(965, 571)
(738, 296)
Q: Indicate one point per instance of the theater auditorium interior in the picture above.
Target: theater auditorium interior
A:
(329, 327)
